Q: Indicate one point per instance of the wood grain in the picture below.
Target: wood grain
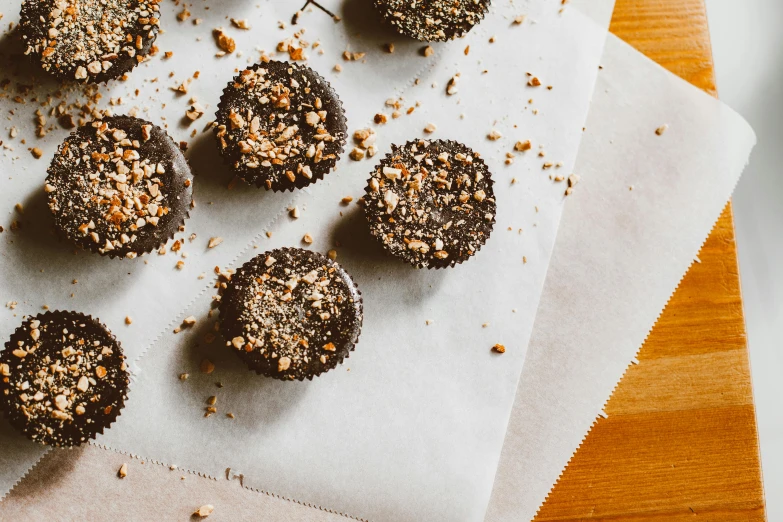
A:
(680, 439)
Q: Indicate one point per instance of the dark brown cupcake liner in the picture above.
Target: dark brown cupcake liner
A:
(175, 225)
(338, 357)
(100, 79)
(457, 30)
(452, 261)
(301, 181)
(18, 420)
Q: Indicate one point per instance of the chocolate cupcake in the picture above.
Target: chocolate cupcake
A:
(291, 313)
(63, 378)
(432, 20)
(88, 41)
(119, 186)
(280, 125)
(431, 203)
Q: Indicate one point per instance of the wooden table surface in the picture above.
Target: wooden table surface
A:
(680, 439)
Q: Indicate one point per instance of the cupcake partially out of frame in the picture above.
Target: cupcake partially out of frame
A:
(280, 126)
(431, 203)
(291, 314)
(119, 186)
(88, 41)
(432, 20)
(63, 378)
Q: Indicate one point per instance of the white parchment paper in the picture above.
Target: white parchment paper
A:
(680, 186)
(446, 397)
(619, 256)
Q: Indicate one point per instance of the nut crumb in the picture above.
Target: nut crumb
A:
(240, 24)
(214, 241)
(123, 471)
(204, 511)
(128, 319)
(499, 348)
(207, 366)
(660, 130)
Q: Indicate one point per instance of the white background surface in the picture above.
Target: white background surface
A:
(748, 49)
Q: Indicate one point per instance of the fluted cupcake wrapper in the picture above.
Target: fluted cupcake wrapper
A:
(18, 420)
(435, 263)
(337, 357)
(255, 176)
(391, 16)
(102, 78)
(182, 171)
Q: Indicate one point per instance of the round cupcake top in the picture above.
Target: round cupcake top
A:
(291, 313)
(433, 20)
(119, 186)
(63, 378)
(431, 203)
(89, 41)
(280, 125)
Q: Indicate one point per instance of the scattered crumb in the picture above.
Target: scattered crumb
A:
(660, 130)
(223, 41)
(204, 511)
(184, 376)
(123, 471)
(207, 366)
(240, 24)
(499, 348)
(128, 319)
(214, 241)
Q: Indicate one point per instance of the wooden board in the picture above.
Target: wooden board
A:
(680, 439)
